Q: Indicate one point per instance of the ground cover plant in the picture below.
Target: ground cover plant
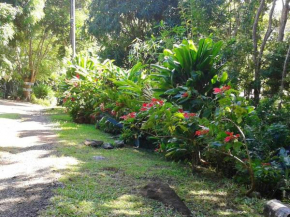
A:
(109, 187)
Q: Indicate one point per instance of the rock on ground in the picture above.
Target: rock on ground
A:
(165, 194)
(275, 208)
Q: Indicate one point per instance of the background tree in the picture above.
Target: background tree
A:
(115, 24)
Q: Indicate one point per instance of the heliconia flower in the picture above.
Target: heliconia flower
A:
(201, 132)
(231, 136)
(184, 95)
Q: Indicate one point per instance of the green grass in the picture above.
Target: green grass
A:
(110, 187)
(10, 116)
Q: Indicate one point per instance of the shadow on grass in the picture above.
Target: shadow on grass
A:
(110, 187)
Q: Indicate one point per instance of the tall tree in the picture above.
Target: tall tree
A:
(283, 19)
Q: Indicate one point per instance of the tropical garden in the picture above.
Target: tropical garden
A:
(201, 84)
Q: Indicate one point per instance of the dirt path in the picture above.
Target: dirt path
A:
(28, 160)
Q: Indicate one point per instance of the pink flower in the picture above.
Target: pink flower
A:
(113, 113)
(78, 76)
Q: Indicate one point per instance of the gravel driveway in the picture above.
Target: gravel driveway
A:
(29, 163)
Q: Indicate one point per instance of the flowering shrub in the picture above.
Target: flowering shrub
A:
(188, 109)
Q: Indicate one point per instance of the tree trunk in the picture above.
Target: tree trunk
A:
(257, 57)
(283, 20)
(284, 75)
(257, 85)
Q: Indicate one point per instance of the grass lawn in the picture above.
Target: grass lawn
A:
(110, 187)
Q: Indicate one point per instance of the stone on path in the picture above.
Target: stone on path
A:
(165, 194)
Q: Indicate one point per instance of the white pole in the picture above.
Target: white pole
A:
(73, 28)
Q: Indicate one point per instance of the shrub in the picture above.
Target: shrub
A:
(43, 91)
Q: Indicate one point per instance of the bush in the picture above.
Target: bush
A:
(43, 91)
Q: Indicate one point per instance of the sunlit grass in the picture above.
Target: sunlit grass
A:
(110, 187)
(10, 116)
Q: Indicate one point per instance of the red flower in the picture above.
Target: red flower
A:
(231, 136)
(201, 132)
(180, 110)
(221, 90)
(224, 88)
(73, 99)
(119, 104)
(157, 101)
(184, 95)
(147, 106)
(217, 90)
(64, 100)
(130, 115)
(189, 115)
(266, 164)
(78, 76)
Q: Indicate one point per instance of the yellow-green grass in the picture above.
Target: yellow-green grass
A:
(110, 187)
(13, 116)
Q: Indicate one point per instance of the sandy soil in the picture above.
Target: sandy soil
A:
(29, 163)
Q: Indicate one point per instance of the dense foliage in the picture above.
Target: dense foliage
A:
(203, 82)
